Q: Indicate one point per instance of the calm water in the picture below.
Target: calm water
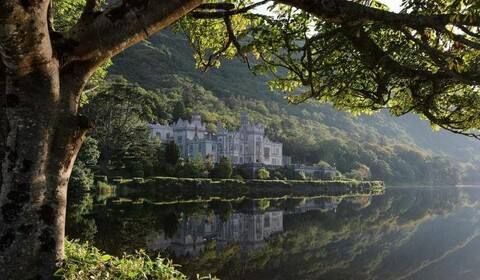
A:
(424, 233)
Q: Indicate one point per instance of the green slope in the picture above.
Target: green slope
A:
(165, 64)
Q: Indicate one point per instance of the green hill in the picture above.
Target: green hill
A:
(398, 150)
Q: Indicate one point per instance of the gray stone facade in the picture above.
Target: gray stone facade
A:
(246, 145)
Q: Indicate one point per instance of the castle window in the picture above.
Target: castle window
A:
(266, 153)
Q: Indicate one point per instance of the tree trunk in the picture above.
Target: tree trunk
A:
(40, 132)
(3, 121)
(40, 138)
(42, 142)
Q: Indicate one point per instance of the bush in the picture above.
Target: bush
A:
(237, 177)
(245, 173)
(83, 261)
(193, 169)
(278, 175)
(300, 175)
(223, 170)
(263, 174)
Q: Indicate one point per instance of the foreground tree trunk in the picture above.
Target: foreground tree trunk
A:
(40, 132)
(40, 137)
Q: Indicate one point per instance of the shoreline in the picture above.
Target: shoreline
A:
(171, 188)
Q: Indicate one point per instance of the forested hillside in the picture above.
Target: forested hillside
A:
(397, 150)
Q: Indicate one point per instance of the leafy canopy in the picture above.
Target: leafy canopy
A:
(356, 55)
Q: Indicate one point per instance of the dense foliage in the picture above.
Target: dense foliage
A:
(396, 151)
(223, 170)
(83, 261)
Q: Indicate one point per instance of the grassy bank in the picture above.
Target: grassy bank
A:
(167, 188)
(83, 261)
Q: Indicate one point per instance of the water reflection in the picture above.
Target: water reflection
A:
(405, 234)
(249, 229)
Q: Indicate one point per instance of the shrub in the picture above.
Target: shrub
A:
(245, 173)
(193, 169)
(83, 261)
(263, 174)
(300, 175)
(278, 175)
(223, 170)
(237, 177)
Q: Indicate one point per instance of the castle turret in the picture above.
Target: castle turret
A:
(244, 118)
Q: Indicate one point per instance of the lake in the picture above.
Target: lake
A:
(405, 233)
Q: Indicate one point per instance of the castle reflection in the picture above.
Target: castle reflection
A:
(248, 228)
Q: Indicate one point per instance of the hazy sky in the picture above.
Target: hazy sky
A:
(393, 4)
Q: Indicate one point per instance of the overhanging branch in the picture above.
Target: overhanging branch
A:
(220, 10)
(123, 24)
(343, 11)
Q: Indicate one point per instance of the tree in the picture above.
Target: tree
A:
(193, 169)
(355, 54)
(42, 76)
(223, 170)
(172, 153)
(121, 113)
(359, 172)
(81, 179)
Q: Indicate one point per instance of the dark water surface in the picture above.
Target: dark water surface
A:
(407, 233)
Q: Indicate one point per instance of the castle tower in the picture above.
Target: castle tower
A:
(244, 119)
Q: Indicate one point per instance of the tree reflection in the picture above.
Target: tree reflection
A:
(403, 232)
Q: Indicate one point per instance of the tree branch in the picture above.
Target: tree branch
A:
(376, 58)
(343, 11)
(88, 10)
(123, 24)
(220, 10)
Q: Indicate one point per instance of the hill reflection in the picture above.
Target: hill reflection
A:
(426, 233)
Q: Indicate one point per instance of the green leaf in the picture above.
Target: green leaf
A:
(106, 257)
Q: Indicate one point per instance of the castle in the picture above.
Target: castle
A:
(246, 145)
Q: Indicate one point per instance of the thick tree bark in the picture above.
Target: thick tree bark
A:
(40, 131)
(3, 119)
(42, 140)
